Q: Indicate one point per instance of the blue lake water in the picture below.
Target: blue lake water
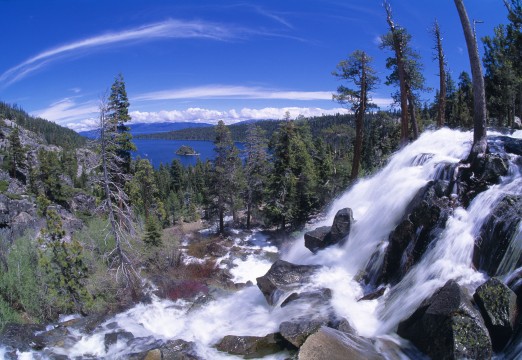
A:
(164, 151)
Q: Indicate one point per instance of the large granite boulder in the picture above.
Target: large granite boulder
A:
(171, 350)
(330, 344)
(498, 306)
(282, 278)
(498, 233)
(447, 326)
(251, 347)
(326, 236)
(425, 218)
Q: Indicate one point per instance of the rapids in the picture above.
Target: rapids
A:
(378, 203)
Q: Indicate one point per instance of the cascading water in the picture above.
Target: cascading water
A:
(378, 204)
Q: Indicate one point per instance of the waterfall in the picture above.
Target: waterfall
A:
(378, 204)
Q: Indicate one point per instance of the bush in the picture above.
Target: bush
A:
(3, 186)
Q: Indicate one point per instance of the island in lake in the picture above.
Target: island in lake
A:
(186, 150)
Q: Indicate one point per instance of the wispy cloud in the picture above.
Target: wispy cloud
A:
(232, 92)
(165, 29)
(274, 17)
(68, 111)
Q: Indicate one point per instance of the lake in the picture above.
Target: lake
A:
(164, 151)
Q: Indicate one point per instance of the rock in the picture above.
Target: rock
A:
(111, 339)
(216, 250)
(425, 217)
(60, 336)
(341, 226)
(447, 326)
(179, 350)
(315, 298)
(22, 336)
(171, 350)
(498, 306)
(86, 324)
(374, 294)
(83, 203)
(284, 277)
(331, 344)
(497, 235)
(296, 331)
(317, 239)
(510, 145)
(325, 236)
(251, 347)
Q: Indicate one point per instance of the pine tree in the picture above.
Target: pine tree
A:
(441, 59)
(256, 169)
(117, 117)
(64, 266)
(152, 232)
(16, 152)
(225, 172)
(357, 70)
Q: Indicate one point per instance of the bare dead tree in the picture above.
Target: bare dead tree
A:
(479, 94)
(116, 202)
(398, 47)
(439, 56)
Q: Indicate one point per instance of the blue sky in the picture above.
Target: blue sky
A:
(205, 60)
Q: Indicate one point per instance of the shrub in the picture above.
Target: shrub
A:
(3, 186)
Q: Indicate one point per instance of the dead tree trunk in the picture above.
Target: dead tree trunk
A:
(442, 75)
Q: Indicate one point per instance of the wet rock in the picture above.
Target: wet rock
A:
(284, 277)
(171, 350)
(86, 324)
(317, 239)
(111, 339)
(511, 145)
(342, 225)
(296, 331)
(447, 326)
(330, 344)
(425, 218)
(497, 235)
(498, 306)
(251, 347)
(315, 298)
(57, 337)
(325, 236)
(22, 336)
(374, 294)
(216, 250)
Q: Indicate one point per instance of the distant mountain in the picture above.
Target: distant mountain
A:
(142, 128)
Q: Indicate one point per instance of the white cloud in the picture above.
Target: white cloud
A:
(166, 29)
(232, 92)
(66, 112)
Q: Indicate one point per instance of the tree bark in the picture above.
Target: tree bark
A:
(359, 123)
(479, 94)
(413, 117)
(442, 77)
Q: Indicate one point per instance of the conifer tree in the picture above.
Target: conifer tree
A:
(225, 172)
(16, 152)
(441, 59)
(256, 169)
(357, 70)
(64, 266)
(117, 118)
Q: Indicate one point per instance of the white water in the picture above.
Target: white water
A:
(378, 204)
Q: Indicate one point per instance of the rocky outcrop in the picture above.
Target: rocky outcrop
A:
(22, 336)
(83, 203)
(498, 306)
(282, 278)
(252, 347)
(497, 235)
(171, 350)
(424, 219)
(447, 326)
(330, 344)
(325, 236)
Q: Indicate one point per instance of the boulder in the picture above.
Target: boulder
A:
(22, 336)
(315, 298)
(325, 236)
(497, 235)
(284, 277)
(251, 347)
(111, 339)
(374, 294)
(296, 331)
(447, 326)
(330, 344)
(425, 217)
(317, 239)
(498, 306)
(171, 350)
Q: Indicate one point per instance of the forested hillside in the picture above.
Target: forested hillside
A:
(50, 131)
